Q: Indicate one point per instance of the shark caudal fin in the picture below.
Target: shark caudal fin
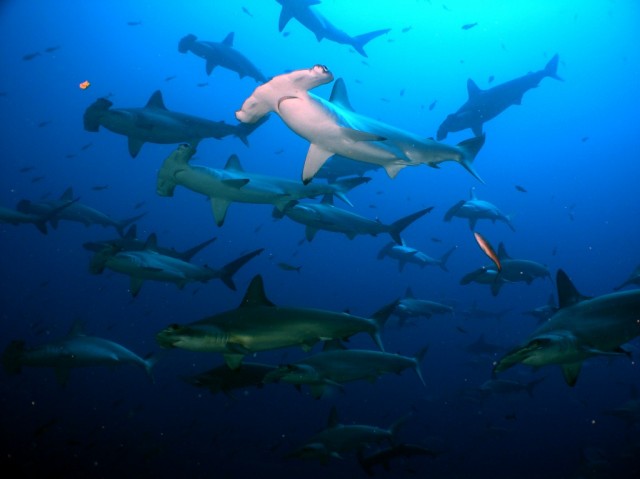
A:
(343, 186)
(12, 357)
(551, 68)
(380, 317)
(93, 114)
(149, 362)
(122, 225)
(470, 149)
(442, 262)
(186, 43)
(358, 42)
(228, 270)
(419, 356)
(398, 226)
(243, 130)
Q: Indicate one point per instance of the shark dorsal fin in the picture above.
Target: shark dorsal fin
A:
(333, 418)
(233, 163)
(472, 89)
(255, 295)
(152, 242)
(502, 252)
(409, 293)
(156, 101)
(339, 95)
(76, 329)
(568, 295)
(67, 195)
(472, 194)
(327, 199)
(228, 40)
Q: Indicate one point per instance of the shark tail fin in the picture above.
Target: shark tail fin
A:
(150, 361)
(509, 220)
(93, 114)
(186, 43)
(445, 257)
(12, 356)
(228, 270)
(122, 225)
(345, 185)
(380, 317)
(470, 149)
(398, 226)
(361, 40)
(191, 252)
(419, 356)
(551, 68)
(243, 130)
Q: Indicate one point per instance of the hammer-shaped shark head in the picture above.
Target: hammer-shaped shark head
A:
(172, 166)
(267, 96)
(554, 348)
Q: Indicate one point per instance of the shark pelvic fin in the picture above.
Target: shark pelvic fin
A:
(571, 371)
(219, 206)
(134, 146)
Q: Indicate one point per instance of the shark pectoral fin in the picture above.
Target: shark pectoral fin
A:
(135, 285)
(62, 376)
(495, 287)
(134, 146)
(236, 183)
(219, 207)
(233, 360)
(358, 135)
(393, 169)
(210, 66)
(476, 128)
(285, 15)
(571, 371)
(316, 157)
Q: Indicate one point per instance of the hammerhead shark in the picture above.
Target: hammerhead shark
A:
(474, 209)
(333, 127)
(582, 328)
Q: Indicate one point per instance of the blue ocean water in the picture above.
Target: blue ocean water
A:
(572, 145)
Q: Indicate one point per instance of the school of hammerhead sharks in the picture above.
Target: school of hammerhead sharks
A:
(343, 145)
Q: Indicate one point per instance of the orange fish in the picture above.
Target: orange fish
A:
(85, 84)
(488, 250)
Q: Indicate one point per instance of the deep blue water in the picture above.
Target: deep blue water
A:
(573, 145)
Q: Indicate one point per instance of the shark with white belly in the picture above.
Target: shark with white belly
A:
(582, 328)
(474, 209)
(333, 127)
(234, 184)
(405, 254)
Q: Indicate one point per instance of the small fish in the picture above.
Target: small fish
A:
(202, 84)
(84, 85)
(286, 34)
(70, 155)
(488, 250)
(386, 100)
(289, 267)
(402, 92)
(26, 169)
(433, 105)
(40, 430)
(170, 77)
(42, 124)
(100, 187)
(52, 49)
(245, 10)
(36, 179)
(301, 241)
(257, 229)
(30, 56)
(521, 189)
(279, 151)
(86, 146)
(364, 63)
(406, 29)
(358, 81)
(461, 329)
(490, 79)
(468, 26)
(134, 24)
(584, 139)
(138, 205)
(436, 240)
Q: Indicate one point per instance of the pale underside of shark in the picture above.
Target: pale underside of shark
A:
(410, 306)
(234, 184)
(582, 328)
(259, 325)
(474, 209)
(405, 254)
(332, 127)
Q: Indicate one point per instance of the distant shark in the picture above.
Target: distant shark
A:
(582, 328)
(39, 220)
(321, 27)
(474, 209)
(225, 380)
(153, 123)
(259, 325)
(221, 54)
(411, 307)
(233, 183)
(69, 209)
(333, 127)
(405, 254)
(326, 216)
(483, 105)
(74, 351)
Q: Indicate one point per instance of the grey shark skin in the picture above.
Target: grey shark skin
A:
(633, 279)
(582, 328)
(73, 211)
(151, 265)
(483, 105)
(74, 351)
(412, 307)
(221, 54)
(338, 166)
(233, 183)
(513, 271)
(130, 242)
(341, 438)
(321, 27)
(405, 254)
(325, 216)
(259, 325)
(475, 209)
(225, 380)
(333, 127)
(153, 123)
(335, 367)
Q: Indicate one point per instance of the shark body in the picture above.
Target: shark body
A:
(404, 254)
(474, 209)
